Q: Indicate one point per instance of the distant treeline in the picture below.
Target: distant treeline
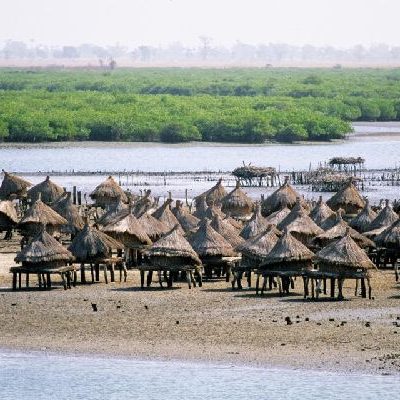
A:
(175, 105)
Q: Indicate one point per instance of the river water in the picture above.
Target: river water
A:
(41, 376)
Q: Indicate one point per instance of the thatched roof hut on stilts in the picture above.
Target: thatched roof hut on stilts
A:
(321, 212)
(165, 215)
(225, 229)
(108, 193)
(64, 207)
(237, 203)
(363, 219)
(385, 218)
(255, 225)
(13, 185)
(214, 195)
(154, 228)
(48, 191)
(188, 221)
(172, 254)
(348, 198)
(8, 218)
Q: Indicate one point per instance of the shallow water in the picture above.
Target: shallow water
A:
(41, 376)
(379, 145)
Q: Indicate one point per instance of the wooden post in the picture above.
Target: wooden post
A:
(74, 194)
(105, 272)
(79, 198)
(142, 278)
(112, 272)
(97, 272)
(83, 277)
(27, 279)
(14, 281)
(332, 288)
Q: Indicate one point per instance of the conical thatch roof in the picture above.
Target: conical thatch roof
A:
(165, 215)
(345, 253)
(13, 184)
(300, 224)
(91, 245)
(109, 189)
(348, 198)
(237, 203)
(44, 249)
(362, 221)
(70, 212)
(129, 231)
(284, 196)
(174, 245)
(42, 214)
(154, 228)
(207, 211)
(234, 222)
(340, 229)
(258, 247)
(201, 206)
(188, 221)
(390, 237)
(321, 212)
(143, 204)
(288, 250)
(207, 242)
(227, 231)
(384, 219)
(278, 216)
(117, 211)
(8, 211)
(215, 194)
(47, 191)
(255, 225)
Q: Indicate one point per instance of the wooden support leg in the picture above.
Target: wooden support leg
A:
(305, 283)
(64, 282)
(92, 272)
(14, 281)
(264, 285)
(324, 281)
(44, 281)
(19, 280)
(75, 276)
(356, 289)
(120, 272)
(170, 279)
(105, 273)
(27, 280)
(68, 273)
(312, 289)
(125, 272)
(363, 289)
(280, 286)
(112, 272)
(257, 283)
(200, 278)
(83, 276)
(160, 278)
(228, 273)
(340, 288)
(396, 270)
(142, 278)
(40, 280)
(332, 288)
(48, 281)
(97, 272)
(249, 279)
(189, 279)
(191, 273)
(150, 278)
(369, 288)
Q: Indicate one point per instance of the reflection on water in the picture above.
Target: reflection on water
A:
(39, 376)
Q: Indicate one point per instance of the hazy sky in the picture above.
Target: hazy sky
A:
(342, 23)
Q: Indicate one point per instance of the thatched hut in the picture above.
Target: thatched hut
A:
(362, 221)
(165, 215)
(13, 185)
(108, 193)
(344, 259)
(143, 204)
(300, 225)
(234, 222)
(284, 196)
(390, 237)
(201, 206)
(154, 228)
(172, 253)
(8, 217)
(288, 258)
(187, 221)
(321, 212)
(227, 231)
(277, 216)
(340, 229)
(237, 203)
(44, 255)
(214, 195)
(115, 212)
(384, 219)
(48, 191)
(70, 212)
(348, 198)
(40, 214)
(255, 225)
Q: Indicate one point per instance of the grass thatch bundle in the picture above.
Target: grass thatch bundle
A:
(108, 192)
(128, 231)
(225, 229)
(321, 212)
(201, 206)
(115, 212)
(70, 212)
(384, 219)
(390, 237)
(8, 215)
(278, 216)
(234, 222)
(154, 228)
(188, 221)
(209, 243)
(255, 225)
(214, 195)
(165, 215)
(44, 250)
(172, 250)
(237, 203)
(91, 245)
(143, 204)
(362, 221)
(13, 185)
(47, 191)
(348, 198)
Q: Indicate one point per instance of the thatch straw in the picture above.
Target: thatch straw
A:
(226, 230)
(201, 207)
(13, 185)
(188, 221)
(255, 225)
(173, 246)
(47, 191)
(90, 245)
(344, 253)
(321, 212)
(234, 222)
(165, 215)
(348, 198)
(237, 203)
(8, 215)
(284, 196)
(384, 219)
(45, 250)
(154, 228)
(207, 242)
(278, 216)
(390, 237)
(129, 231)
(117, 211)
(215, 194)
(108, 192)
(143, 204)
(70, 212)
(363, 220)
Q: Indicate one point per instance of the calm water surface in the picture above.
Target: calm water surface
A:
(379, 145)
(39, 376)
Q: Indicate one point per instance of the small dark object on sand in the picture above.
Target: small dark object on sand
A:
(94, 306)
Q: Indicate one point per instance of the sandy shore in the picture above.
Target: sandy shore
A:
(212, 323)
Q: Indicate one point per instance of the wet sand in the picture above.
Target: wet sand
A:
(212, 323)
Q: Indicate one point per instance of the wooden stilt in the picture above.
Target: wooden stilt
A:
(332, 287)
(141, 278)
(105, 273)
(363, 289)
(340, 288)
(149, 278)
(83, 276)
(92, 272)
(97, 272)
(257, 283)
(112, 273)
(27, 280)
